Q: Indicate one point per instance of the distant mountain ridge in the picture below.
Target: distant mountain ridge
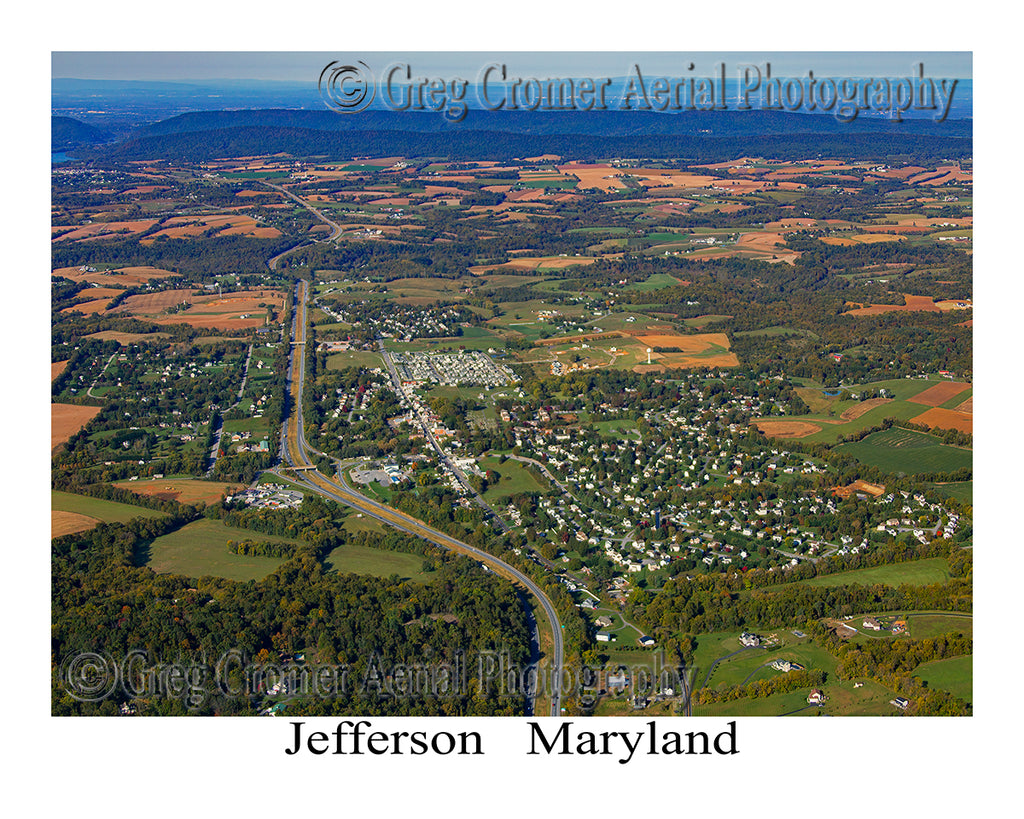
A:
(67, 133)
(463, 144)
(598, 123)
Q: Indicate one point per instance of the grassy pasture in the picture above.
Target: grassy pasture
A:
(925, 625)
(77, 513)
(961, 490)
(355, 559)
(516, 477)
(354, 358)
(200, 548)
(902, 450)
(953, 674)
(915, 573)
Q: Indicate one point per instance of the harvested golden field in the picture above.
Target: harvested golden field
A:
(146, 304)
(787, 429)
(147, 189)
(126, 338)
(940, 393)
(701, 350)
(67, 419)
(184, 490)
(57, 367)
(966, 406)
(853, 413)
(88, 308)
(838, 241)
(125, 276)
(938, 418)
(911, 303)
(225, 225)
(105, 229)
(534, 262)
(945, 175)
(68, 523)
(766, 242)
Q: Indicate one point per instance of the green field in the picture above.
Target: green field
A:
(774, 706)
(104, 510)
(905, 451)
(841, 699)
(924, 626)
(200, 548)
(954, 674)
(355, 358)
(254, 175)
(961, 491)
(354, 559)
(915, 573)
(752, 665)
(516, 477)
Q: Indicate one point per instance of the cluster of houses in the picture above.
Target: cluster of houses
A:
(400, 322)
(469, 367)
(267, 496)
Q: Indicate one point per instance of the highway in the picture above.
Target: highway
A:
(295, 452)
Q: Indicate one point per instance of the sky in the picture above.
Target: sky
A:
(299, 66)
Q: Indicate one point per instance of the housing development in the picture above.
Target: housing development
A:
(688, 425)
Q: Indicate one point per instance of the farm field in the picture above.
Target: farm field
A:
(77, 513)
(68, 523)
(57, 367)
(233, 311)
(914, 573)
(953, 674)
(182, 490)
(940, 418)
(200, 548)
(960, 490)
(67, 419)
(355, 559)
(906, 451)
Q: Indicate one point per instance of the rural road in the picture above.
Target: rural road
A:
(294, 452)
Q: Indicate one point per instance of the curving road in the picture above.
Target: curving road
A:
(295, 449)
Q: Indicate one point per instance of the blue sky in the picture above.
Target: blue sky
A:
(300, 66)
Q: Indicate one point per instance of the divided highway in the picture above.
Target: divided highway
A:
(295, 452)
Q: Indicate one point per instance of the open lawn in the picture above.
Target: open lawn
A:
(915, 573)
(354, 559)
(200, 548)
(954, 674)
